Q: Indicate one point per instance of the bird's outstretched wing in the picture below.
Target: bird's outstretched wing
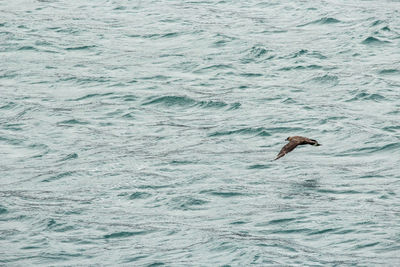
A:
(287, 148)
(310, 142)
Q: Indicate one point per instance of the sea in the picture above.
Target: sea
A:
(143, 133)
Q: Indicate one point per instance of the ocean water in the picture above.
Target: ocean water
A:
(142, 133)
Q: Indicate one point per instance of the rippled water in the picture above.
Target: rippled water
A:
(142, 133)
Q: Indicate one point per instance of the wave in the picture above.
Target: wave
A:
(301, 67)
(184, 101)
(214, 67)
(28, 47)
(373, 149)
(126, 234)
(366, 96)
(326, 79)
(321, 21)
(72, 122)
(260, 131)
(58, 176)
(83, 47)
(373, 41)
(389, 71)
(256, 53)
(224, 194)
(139, 195)
(91, 96)
(156, 35)
(187, 203)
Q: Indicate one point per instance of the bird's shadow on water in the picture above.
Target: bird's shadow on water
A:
(259, 166)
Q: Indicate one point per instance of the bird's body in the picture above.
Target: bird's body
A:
(294, 141)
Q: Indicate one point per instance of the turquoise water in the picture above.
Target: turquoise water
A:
(141, 133)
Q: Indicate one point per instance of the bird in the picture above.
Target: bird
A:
(294, 141)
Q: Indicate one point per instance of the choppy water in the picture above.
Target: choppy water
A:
(142, 132)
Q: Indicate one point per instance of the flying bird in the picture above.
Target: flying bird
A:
(294, 141)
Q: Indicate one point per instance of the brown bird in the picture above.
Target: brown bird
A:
(295, 141)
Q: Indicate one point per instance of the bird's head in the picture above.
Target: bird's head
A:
(289, 138)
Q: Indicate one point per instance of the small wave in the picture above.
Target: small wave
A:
(58, 227)
(72, 122)
(372, 244)
(326, 79)
(90, 96)
(249, 75)
(281, 130)
(120, 8)
(234, 106)
(257, 52)
(27, 48)
(181, 162)
(157, 35)
(184, 101)
(292, 231)
(58, 176)
(289, 100)
(9, 105)
(135, 258)
(126, 234)
(244, 131)
(280, 221)
(170, 34)
(70, 156)
(8, 75)
(220, 43)
(366, 96)
(301, 67)
(321, 21)
(156, 77)
(3, 210)
(395, 128)
(214, 67)
(187, 203)
(377, 22)
(338, 191)
(373, 41)
(84, 80)
(373, 149)
(323, 231)
(139, 195)
(305, 52)
(221, 193)
(42, 43)
(156, 264)
(300, 53)
(172, 101)
(212, 104)
(129, 98)
(389, 71)
(84, 47)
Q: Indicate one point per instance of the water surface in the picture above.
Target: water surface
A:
(142, 132)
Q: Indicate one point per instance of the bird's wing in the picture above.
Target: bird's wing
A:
(310, 141)
(287, 148)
